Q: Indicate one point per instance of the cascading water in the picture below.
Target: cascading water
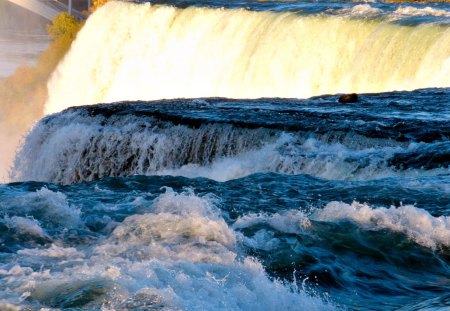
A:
(238, 204)
(227, 139)
(157, 52)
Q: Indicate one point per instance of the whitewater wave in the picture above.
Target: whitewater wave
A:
(42, 206)
(416, 224)
(361, 10)
(24, 226)
(86, 144)
(370, 11)
(54, 251)
(179, 254)
(179, 226)
(234, 153)
(427, 11)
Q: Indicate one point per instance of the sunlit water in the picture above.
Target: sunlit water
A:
(237, 204)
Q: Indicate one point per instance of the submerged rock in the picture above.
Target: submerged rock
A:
(348, 98)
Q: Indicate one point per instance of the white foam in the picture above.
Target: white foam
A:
(78, 148)
(25, 225)
(54, 251)
(5, 306)
(314, 157)
(264, 159)
(426, 11)
(292, 221)
(263, 240)
(46, 206)
(179, 255)
(179, 226)
(75, 148)
(361, 10)
(417, 224)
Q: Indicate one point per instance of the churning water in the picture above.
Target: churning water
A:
(251, 203)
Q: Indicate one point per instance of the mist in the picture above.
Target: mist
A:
(23, 38)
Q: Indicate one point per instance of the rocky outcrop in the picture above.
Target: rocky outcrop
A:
(348, 98)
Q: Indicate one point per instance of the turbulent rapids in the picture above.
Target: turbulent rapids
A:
(167, 52)
(310, 189)
(226, 139)
(164, 180)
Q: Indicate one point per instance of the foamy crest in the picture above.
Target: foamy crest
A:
(24, 225)
(292, 221)
(75, 147)
(45, 206)
(419, 225)
(182, 226)
(312, 156)
(361, 10)
(264, 159)
(5, 306)
(179, 255)
(427, 11)
(54, 251)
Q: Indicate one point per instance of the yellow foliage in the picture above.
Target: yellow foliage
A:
(96, 4)
(63, 25)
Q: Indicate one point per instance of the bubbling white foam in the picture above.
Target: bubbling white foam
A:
(417, 224)
(179, 255)
(25, 225)
(311, 156)
(179, 226)
(54, 251)
(427, 11)
(44, 206)
(361, 10)
(292, 221)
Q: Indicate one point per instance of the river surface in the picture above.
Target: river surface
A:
(253, 189)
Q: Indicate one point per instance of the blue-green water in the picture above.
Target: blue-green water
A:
(206, 204)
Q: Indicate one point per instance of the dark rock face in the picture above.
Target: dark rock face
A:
(348, 98)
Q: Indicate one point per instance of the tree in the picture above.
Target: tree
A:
(63, 25)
